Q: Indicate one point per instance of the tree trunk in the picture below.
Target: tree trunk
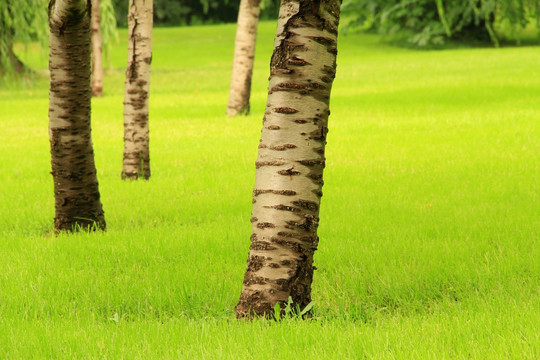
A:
(97, 51)
(136, 131)
(8, 60)
(76, 192)
(13, 63)
(244, 55)
(290, 162)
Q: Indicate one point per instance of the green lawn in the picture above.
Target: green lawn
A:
(430, 245)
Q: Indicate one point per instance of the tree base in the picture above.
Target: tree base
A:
(135, 175)
(75, 225)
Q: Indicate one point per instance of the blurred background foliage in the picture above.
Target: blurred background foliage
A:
(20, 21)
(25, 21)
(194, 12)
(434, 22)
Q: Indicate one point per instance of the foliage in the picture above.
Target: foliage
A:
(188, 12)
(432, 22)
(25, 21)
(20, 21)
(290, 312)
(109, 32)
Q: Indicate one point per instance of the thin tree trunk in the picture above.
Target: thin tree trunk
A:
(8, 59)
(76, 192)
(14, 62)
(97, 51)
(136, 132)
(244, 55)
(289, 167)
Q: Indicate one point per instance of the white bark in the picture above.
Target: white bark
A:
(97, 50)
(290, 162)
(244, 55)
(136, 162)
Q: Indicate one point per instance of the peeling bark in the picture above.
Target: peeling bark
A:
(97, 51)
(136, 162)
(244, 55)
(290, 162)
(76, 191)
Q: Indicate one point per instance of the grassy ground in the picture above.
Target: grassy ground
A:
(429, 224)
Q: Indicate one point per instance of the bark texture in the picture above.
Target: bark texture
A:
(97, 51)
(76, 192)
(136, 162)
(290, 162)
(244, 55)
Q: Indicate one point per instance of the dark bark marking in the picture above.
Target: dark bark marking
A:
(255, 280)
(288, 86)
(296, 246)
(317, 178)
(322, 40)
(285, 110)
(312, 162)
(251, 304)
(307, 223)
(319, 150)
(257, 192)
(261, 245)
(326, 79)
(259, 164)
(289, 172)
(283, 208)
(264, 225)
(316, 85)
(283, 147)
(250, 280)
(255, 263)
(296, 61)
(306, 204)
(320, 133)
(330, 70)
(287, 234)
(273, 127)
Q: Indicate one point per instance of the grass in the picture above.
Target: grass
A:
(429, 224)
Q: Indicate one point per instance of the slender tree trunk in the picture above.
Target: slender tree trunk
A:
(97, 51)
(244, 55)
(136, 131)
(8, 59)
(14, 62)
(76, 192)
(289, 175)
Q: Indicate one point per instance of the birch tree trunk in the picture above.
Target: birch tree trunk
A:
(136, 162)
(290, 162)
(76, 193)
(244, 55)
(97, 50)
